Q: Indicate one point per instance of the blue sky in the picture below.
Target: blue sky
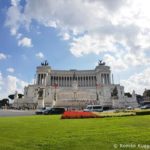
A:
(74, 35)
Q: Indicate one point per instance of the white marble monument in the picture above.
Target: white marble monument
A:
(74, 88)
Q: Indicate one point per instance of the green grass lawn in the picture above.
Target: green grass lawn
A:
(52, 133)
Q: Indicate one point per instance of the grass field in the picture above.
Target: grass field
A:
(52, 133)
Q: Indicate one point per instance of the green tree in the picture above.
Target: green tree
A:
(128, 94)
(139, 98)
(4, 102)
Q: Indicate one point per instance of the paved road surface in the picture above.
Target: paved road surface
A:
(11, 113)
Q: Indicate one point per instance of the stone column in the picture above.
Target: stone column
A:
(85, 81)
(65, 81)
(94, 80)
(82, 81)
(104, 78)
(62, 81)
(49, 78)
(88, 81)
(101, 80)
(45, 79)
(40, 79)
(69, 81)
(59, 80)
(52, 80)
(108, 78)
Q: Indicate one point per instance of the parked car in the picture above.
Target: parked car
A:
(130, 108)
(40, 111)
(54, 110)
(92, 108)
(146, 107)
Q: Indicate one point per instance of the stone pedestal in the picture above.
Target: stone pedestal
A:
(41, 103)
(41, 95)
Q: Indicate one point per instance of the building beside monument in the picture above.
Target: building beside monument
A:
(74, 88)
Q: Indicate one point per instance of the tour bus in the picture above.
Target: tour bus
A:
(92, 108)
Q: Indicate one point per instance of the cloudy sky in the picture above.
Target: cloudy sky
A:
(74, 34)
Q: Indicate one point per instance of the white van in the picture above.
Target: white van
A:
(96, 108)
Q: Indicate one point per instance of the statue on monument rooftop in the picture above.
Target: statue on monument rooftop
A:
(45, 63)
(101, 63)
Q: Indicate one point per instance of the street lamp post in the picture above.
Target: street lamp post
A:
(97, 97)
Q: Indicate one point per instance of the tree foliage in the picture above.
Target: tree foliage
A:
(128, 94)
(139, 98)
(4, 102)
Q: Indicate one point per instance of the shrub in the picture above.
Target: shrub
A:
(143, 112)
(112, 114)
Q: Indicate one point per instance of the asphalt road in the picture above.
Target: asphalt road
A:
(11, 113)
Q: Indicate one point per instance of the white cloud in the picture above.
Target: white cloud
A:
(2, 56)
(119, 30)
(123, 60)
(117, 64)
(19, 35)
(40, 55)
(15, 2)
(65, 36)
(14, 17)
(13, 31)
(25, 42)
(92, 44)
(138, 82)
(10, 84)
(94, 21)
(11, 70)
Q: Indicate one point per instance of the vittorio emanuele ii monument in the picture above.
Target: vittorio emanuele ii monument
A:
(74, 88)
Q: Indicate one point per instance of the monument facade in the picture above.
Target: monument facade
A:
(74, 88)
